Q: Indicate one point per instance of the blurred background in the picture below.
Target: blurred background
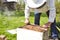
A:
(12, 16)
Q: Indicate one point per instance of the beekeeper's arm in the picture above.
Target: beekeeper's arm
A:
(52, 13)
(27, 13)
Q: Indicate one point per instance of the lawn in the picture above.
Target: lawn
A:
(15, 21)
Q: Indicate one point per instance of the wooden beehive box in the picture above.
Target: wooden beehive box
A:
(30, 32)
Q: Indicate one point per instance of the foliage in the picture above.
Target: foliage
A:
(58, 7)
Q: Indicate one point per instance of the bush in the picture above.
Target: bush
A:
(58, 7)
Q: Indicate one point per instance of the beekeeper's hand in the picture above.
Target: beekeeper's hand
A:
(47, 25)
(27, 21)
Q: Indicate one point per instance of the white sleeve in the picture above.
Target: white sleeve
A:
(27, 11)
(52, 9)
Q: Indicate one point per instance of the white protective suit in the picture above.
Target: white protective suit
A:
(51, 6)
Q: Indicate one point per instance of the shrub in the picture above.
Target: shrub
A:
(58, 7)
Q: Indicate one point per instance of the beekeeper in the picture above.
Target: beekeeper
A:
(51, 15)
